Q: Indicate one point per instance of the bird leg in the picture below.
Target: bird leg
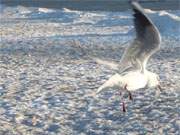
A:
(159, 87)
(124, 107)
(120, 93)
(122, 101)
(130, 95)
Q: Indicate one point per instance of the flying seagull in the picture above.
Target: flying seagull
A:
(132, 73)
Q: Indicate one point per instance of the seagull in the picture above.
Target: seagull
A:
(131, 71)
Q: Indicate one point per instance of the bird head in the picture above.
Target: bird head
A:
(153, 79)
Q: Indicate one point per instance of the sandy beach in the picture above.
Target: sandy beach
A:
(47, 73)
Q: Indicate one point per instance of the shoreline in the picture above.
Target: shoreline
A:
(92, 5)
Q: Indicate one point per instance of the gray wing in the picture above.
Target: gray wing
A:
(146, 43)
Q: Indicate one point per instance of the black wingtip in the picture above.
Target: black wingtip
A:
(136, 6)
(140, 14)
(133, 1)
(142, 21)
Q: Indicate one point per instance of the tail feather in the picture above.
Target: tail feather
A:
(114, 81)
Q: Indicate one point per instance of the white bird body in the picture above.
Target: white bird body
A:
(133, 80)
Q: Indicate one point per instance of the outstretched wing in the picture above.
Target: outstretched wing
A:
(146, 43)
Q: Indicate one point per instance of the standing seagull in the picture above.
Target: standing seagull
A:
(132, 73)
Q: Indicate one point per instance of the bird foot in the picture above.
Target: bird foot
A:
(130, 96)
(123, 107)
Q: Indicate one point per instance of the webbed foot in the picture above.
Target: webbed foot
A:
(130, 96)
(124, 107)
